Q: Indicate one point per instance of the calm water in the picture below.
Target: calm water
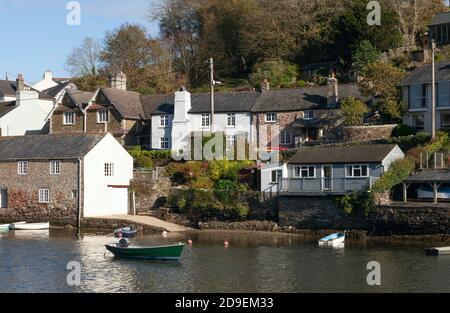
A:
(254, 262)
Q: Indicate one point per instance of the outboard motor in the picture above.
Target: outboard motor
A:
(124, 243)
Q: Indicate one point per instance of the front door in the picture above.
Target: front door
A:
(327, 178)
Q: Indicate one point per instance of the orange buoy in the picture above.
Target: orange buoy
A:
(226, 243)
(189, 242)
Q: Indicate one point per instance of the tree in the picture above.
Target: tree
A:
(128, 49)
(365, 54)
(414, 16)
(381, 80)
(84, 60)
(353, 111)
(278, 73)
(90, 82)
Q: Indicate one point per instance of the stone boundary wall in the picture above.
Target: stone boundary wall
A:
(367, 133)
(151, 192)
(112, 224)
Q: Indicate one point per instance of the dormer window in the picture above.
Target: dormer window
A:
(103, 116)
(69, 118)
(308, 115)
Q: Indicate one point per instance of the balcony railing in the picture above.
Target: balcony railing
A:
(326, 185)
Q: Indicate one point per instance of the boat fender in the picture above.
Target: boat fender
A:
(226, 243)
(189, 242)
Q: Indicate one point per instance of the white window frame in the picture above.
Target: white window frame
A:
(44, 195)
(357, 167)
(285, 137)
(69, 118)
(164, 121)
(164, 143)
(55, 167)
(303, 168)
(22, 167)
(308, 115)
(101, 118)
(271, 117)
(109, 169)
(231, 120)
(231, 141)
(206, 120)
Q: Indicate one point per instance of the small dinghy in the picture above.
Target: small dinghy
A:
(123, 250)
(30, 226)
(5, 227)
(126, 232)
(336, 239)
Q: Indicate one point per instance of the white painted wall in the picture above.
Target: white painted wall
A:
(181, 126)
(45, 83)
(99, 199)
(266, 176)
(29, 115)
(159, 132)
(243, 123)
(394, 155)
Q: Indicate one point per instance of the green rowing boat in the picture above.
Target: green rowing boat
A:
(171, 252)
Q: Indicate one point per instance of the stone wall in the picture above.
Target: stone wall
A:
(316, 212)
(367, 133)
(151, 193)
(411, 220)
(23, 193)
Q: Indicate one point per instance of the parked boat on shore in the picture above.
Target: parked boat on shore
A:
(336, 239)
(169, 252)
(30, 226)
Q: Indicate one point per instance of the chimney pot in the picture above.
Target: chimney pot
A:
(20, 84)
(265, 85)
(118, 81)
(333, 91)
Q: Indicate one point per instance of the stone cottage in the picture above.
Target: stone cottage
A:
(63, 178)
(112, 109)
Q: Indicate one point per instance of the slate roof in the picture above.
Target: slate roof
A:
(6, 107)
(81, 98)
(158, 104)
(442, 18)
(224, 102)
(422, 74)
(47, 147)
(54, 91)
(292, 99)
(128, 103)
(437, 176)
(342, 154)
(298, 99)
(9, 87)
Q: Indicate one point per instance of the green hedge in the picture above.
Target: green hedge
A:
(398, 172)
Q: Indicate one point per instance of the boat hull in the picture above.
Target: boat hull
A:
(31, 226)
(172, 252)
(333, 240)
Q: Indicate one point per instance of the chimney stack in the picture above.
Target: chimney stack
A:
(333, 91)
(118, 81)
(265, 85)
(20, 84)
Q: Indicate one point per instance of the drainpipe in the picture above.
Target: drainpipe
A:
(79, 193)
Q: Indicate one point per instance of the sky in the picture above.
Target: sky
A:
(36, 37)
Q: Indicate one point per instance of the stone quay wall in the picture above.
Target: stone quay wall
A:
(151, 190)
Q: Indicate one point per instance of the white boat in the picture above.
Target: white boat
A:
(31, 226)
(13, 225)
(336, 239)
(427, 192)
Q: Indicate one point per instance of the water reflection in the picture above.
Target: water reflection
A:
(253, 262)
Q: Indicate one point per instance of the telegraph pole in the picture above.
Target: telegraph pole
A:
(211, 63)
(433, 91)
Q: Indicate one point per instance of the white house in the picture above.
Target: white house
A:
(175, 118)
(26, 111)
(63, 178)
(46, 82)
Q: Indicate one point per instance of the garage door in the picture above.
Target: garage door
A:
(119, 200)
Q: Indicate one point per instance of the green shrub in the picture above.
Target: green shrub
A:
(353, 111)
(143, 161)
(356, 203)
(403, 130)
(399, 171)
(225, 185)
